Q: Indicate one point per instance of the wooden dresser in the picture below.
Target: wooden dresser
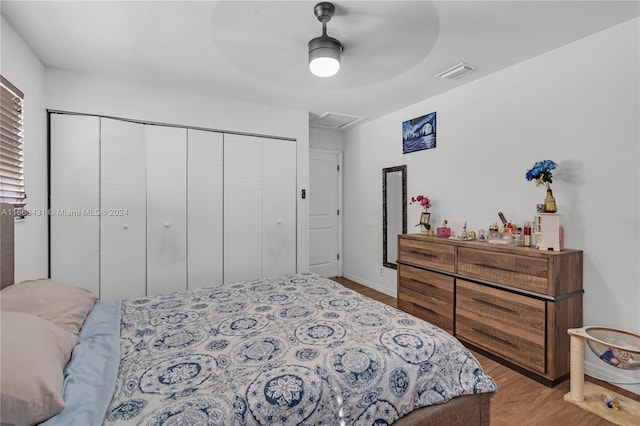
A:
(513, 304)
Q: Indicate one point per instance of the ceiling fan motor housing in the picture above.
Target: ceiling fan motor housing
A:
(324, 11)
(324, 46)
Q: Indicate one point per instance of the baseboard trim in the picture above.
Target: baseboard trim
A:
(371, 284)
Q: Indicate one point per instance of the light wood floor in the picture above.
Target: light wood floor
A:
(520, 400)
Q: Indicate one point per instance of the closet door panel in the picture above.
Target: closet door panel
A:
(242, 208)
(123, 197)
(75, 220)
(166, 150)
(278, 207)
(204, 209)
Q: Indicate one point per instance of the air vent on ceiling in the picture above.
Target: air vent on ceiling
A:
(335, 120)
(456, 71)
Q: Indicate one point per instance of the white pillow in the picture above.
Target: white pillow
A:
(33, 354)
(62, 304)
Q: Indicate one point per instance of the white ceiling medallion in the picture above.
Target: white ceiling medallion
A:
(456, 71)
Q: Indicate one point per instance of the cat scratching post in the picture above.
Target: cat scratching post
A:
(591, 397)
(577, 368)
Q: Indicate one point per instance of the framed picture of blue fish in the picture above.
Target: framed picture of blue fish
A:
(419, 133)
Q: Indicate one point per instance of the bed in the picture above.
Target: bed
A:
(297, 349)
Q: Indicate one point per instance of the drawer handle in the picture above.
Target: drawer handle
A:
(494, 305)
(424, 308)
(421, 253)
(413, 280)
(482, 265)
(491, 336)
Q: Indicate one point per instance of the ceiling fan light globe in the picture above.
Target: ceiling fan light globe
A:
(324, 66)
(324, 56)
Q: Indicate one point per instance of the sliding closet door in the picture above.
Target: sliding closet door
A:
(259, 207)
(123, 249)
(143, 209)
(75, 176)
(166, 209)
(204, 208)
(278, 207)
(242, 208)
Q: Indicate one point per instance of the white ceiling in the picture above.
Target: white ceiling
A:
(257, 50)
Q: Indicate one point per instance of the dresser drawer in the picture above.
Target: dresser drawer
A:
(509, 325)
(429, 254)
(527, 273)
(427, 295)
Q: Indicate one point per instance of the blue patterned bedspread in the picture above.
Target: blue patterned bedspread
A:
(298, 349)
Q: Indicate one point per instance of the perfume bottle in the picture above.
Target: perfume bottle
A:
(527, 234)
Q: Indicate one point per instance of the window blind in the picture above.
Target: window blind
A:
(11, 153)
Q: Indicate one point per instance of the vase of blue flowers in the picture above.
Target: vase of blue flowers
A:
(550, 205)
(541, 173)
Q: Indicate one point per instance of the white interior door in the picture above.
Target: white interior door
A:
(204, 210)
(123, 251)
(75, 222)
(242, 208)
(278, 207)
(166, 150)
(323, 211)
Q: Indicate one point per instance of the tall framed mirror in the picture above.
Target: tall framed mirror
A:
(394, 212)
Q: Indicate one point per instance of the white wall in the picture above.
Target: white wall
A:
(89, 94)
(23, 69)
(325, 138)
(577, 105)
(67, 91)
(96, 95)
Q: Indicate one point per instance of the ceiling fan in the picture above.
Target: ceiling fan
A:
(324, 51)
(275, 41)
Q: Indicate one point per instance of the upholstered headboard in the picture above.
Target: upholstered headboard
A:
(6, 245)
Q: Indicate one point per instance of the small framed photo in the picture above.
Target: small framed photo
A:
(419, 133)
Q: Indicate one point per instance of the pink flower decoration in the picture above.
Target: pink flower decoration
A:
(422, 200)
